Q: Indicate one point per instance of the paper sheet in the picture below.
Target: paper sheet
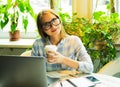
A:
(79, 82)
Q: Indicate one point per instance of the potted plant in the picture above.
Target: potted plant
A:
(101, 29)
(12, 11)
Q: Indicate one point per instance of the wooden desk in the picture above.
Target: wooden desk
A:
(105, 81)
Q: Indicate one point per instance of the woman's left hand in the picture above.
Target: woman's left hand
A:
(54, 57)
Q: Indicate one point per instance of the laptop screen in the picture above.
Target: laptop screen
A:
(21, 71)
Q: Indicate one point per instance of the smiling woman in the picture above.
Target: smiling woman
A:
(70, 54)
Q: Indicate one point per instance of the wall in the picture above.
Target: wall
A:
(83, 8)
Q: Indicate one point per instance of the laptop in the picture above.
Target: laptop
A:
(22, 71)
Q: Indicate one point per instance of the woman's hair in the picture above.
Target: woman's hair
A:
(39, 23)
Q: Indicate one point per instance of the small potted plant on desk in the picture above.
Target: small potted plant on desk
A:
(13, 12)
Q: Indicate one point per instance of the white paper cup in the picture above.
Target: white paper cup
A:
(50, 48)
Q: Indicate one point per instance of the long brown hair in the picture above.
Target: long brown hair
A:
(39, 23)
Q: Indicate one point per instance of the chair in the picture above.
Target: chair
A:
(26, 53)
(112, 68)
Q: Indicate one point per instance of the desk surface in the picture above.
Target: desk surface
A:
(22, 43)
(105, 81)
(108, 81)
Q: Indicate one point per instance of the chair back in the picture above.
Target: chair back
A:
(26, 53)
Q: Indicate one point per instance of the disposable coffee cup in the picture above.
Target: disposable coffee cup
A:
(50, 48)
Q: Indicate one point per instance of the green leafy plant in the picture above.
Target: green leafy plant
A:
(14, 10)
(100, 33)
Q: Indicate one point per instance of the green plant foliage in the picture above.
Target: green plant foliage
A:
(103, 29)
(20, 9)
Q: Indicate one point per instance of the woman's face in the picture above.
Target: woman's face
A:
(51, 24)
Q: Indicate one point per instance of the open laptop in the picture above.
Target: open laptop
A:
(21, 71)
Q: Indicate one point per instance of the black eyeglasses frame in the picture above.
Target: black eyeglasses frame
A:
(48, 25)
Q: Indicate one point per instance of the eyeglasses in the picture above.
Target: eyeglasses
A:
(48, 25)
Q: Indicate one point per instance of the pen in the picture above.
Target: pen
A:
(71, 83)
(61, 83)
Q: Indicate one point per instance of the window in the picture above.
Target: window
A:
(101, 5)
(66, 5)
(37, 6)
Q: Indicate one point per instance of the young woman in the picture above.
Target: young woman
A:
(70, 53)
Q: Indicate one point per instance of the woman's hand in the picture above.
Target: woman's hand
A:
(54, 57)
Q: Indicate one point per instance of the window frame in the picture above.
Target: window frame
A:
(34, 34)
